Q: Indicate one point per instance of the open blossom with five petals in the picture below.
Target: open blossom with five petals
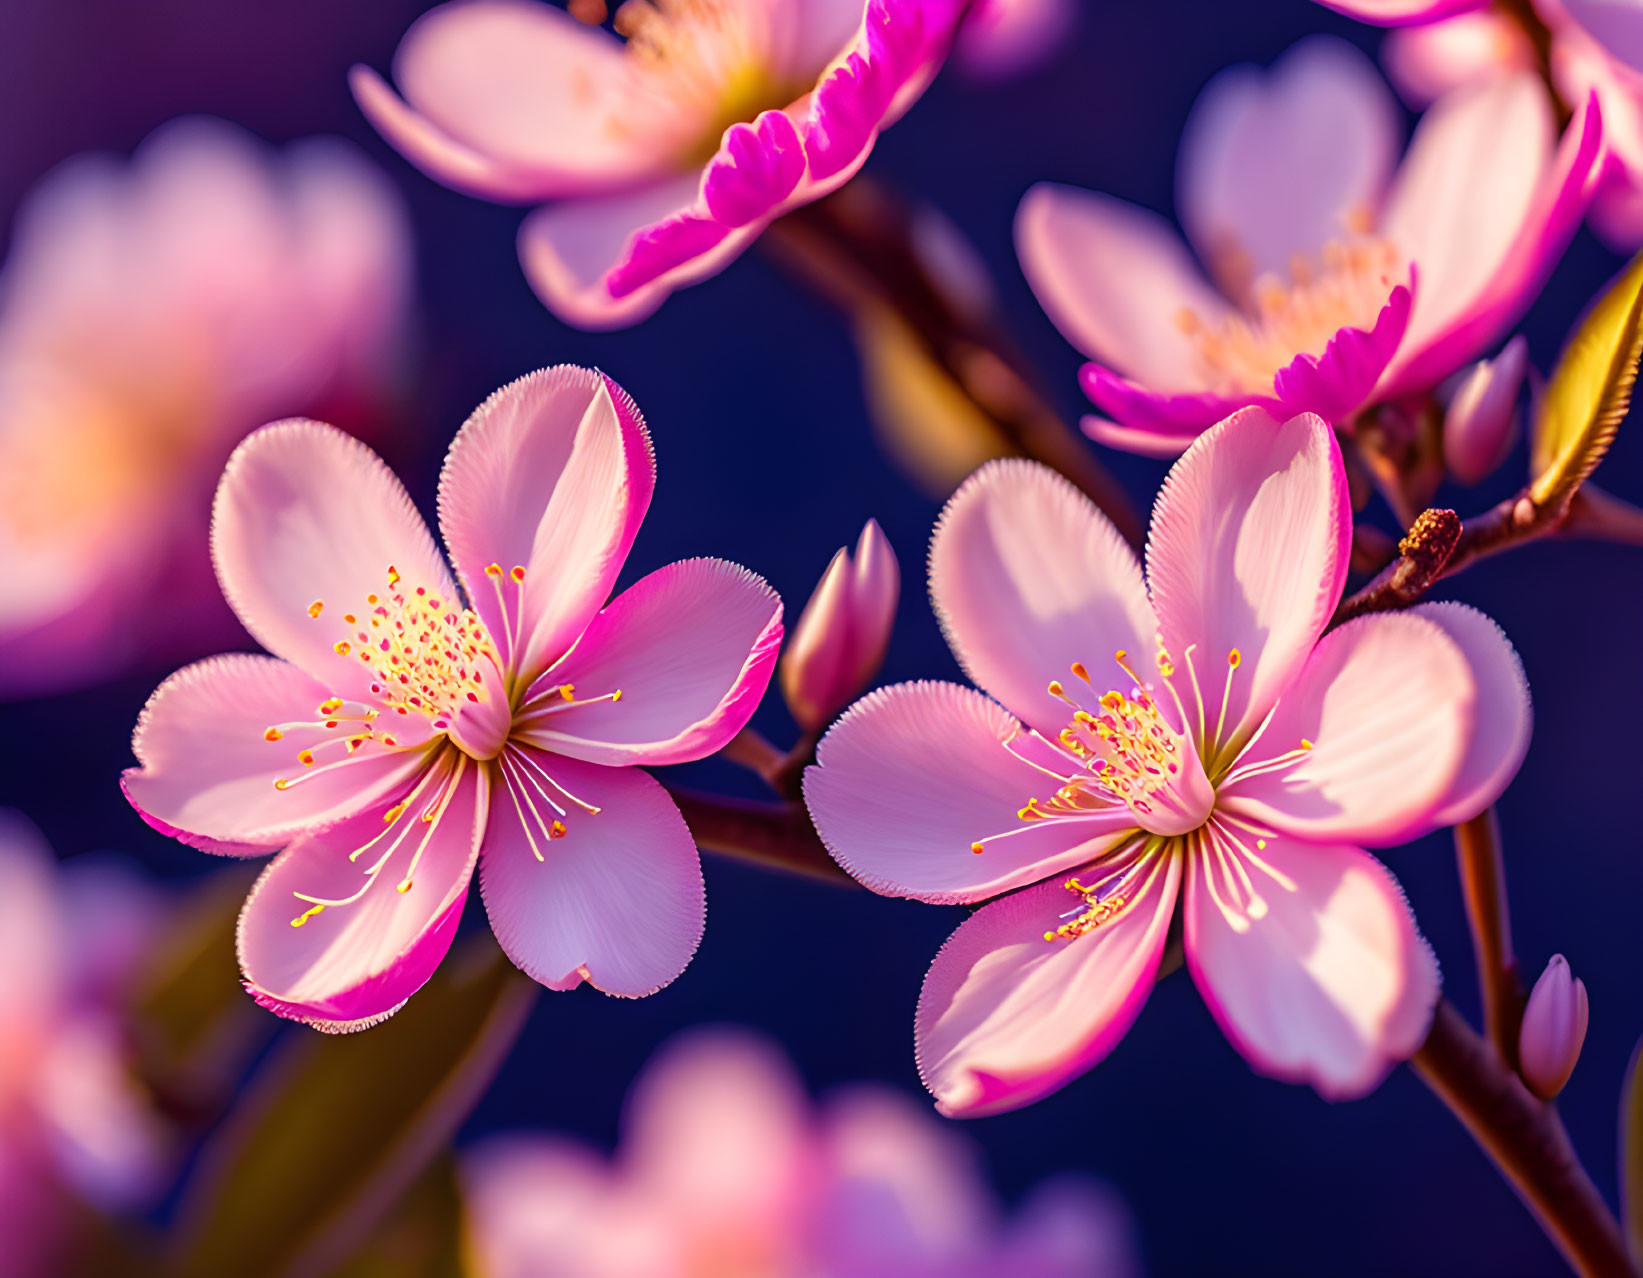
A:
(1337, 282)
(1193, 741)
(726, 1170)
(406, 730)
(664, 158)
(1595, 47)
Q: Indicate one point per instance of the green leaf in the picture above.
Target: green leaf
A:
(334, 1129)
(1590, 390)
(1631, 1155)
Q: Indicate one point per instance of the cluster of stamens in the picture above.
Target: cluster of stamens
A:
(1347, 288)
(1096, 910)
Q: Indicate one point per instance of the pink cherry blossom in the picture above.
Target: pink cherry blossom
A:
(725, 1168)
(658, 161)
(73, 1121)
(1340, 276)
(1188, 740)
(412, 725)
(151, 313)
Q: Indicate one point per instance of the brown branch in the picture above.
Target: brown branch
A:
(1526, 1140)
(1423, 555)
(772, 835)
(1483, 883)
(857, 247)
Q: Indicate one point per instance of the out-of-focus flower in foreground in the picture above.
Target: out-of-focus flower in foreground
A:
(726, 1169)
(404, 732)
(664, 157)
(73, 1121)
(1553, 1030)
(1481, 422)
(1000, 39)
(1594, 47)
(1190, 737)
(150, 314)
(840, 639)
(1337, 282)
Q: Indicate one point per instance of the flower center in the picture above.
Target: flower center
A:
(1346, 289)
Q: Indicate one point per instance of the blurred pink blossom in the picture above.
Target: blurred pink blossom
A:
(664, 157)
(397, 738)
(73, 1121)
(1337, 281)
(1218, 754)
(840, 639)
(1596, 50)
(1000, 39)
(725, 1169)
(151, 313)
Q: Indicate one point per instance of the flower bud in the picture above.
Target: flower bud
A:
(1554, 1028)
(840, 640)
(1481, 424)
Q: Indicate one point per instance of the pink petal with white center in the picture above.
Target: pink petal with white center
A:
(1484, 208)
(542, 99)
(1399, 13)
(690, 649)
(1427, 62)
(1028, 577)
(1388, 704)
(616, 901)
(1117, 280)
(347, 966)
(307, 515)
(1335, 385)
(1617, 25)
(552, 474)
(1247, 554)
(1326, 981)
(1138, 439)
(206, 770)
(1007, 1017)
(756, 168)
(913, 776)
(1164, 413)
(1281, 162)
(609, 261)
(1503, 717)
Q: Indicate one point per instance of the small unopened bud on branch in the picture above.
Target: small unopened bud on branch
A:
(1554, 1029)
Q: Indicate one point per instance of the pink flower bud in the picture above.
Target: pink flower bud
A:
(1481, 424)
(839, 642)
(1554, 1027)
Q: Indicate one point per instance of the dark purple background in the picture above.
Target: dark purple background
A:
(765, 457)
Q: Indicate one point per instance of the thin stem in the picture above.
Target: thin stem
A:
(1526, 1140)
(787, 778)
(858, 248)
(1483, 883)
(1423, 555)
(752, 750)
(772, 835)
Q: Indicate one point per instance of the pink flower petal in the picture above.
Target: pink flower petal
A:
(1484, 209)
(1399, 13)
(553, 473)
(1503, 716)
(1027, 577)
(1145, 441)
(307, 515)
(206, 771)
(1001, 39)
(1116, 279)
(756, 168)
(617, 901)
(36, 938)
(1335, 385)
(536, 1202)
(544, 103)
(691, 648)
(1617, 25)
(1427, 62)
(609, 261)
(914, 775)
(1164, 413)
(1331, 984)
(348, 966)
(1007, 1017)
(1248, 552)
(1282, 162)
(1388, 703)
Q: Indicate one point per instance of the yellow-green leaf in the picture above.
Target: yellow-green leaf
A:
(1631, 1155)
(334, 1129)
(1589, 391)
(422, 1238)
